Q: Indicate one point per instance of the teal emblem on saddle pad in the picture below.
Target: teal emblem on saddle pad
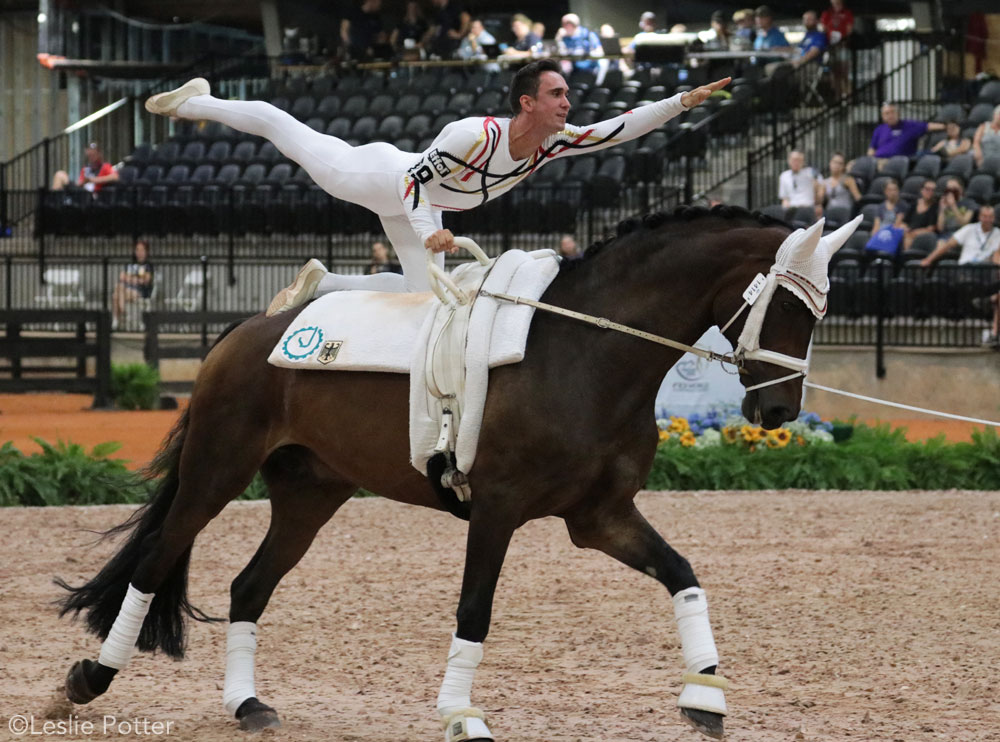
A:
(302, 343)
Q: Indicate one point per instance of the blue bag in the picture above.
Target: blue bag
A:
(887, 239)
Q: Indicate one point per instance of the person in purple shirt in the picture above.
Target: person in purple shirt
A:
(896, 136)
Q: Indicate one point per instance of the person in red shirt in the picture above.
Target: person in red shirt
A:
(838, 23)
(93, 175)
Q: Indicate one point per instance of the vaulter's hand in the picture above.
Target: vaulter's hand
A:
(699, 95)
(441, 241)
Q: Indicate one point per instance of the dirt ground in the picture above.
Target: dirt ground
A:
(839, 616)
(68, 417)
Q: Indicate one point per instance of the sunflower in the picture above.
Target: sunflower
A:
(748, 433)
(678, 425)
(781, 436)
(800, 440)
(688, 439)
(731, 435)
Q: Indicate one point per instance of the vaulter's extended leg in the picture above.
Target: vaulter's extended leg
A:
(489, 536)
(623, 533)
(304, 496)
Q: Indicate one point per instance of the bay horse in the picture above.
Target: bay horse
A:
(567, 432)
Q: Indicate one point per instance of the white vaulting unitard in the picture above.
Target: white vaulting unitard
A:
(119, 647)
(241, 646)
(454, 704)
(701, 692)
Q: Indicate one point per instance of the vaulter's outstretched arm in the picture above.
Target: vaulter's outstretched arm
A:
(578, 140)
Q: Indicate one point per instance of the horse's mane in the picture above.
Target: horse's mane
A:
(657, 219)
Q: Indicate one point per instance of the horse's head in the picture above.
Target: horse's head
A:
(770, 320)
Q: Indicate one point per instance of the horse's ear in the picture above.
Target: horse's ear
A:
(836, 240)
(810, 240)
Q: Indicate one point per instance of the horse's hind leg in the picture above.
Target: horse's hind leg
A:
(140, 597)
(621, 532)
(304, 495)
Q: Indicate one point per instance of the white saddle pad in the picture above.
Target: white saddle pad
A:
(377, 331)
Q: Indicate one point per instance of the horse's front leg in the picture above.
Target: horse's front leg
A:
(621, 532)
(489, 536)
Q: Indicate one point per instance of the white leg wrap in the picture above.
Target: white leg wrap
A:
(454, 702)
(241, 645)
(697, 642)
(119, 647)
(702, 692)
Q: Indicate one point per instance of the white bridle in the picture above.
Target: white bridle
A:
(800, 266)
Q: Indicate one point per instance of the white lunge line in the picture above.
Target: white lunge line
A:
(811, 385)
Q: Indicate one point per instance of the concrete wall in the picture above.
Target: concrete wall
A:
(963, 382)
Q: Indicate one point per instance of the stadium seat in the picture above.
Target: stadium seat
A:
(243, 152)
(390, 128)
(278, 175)
(928, 166)
(802, 216)
(322, 86)
(328, 107)
(950, 112)
(980, 188)
(434, 104)
(608, 182)
(911, 187)
(339, 127)
(489, 103)
(461, 103)
(896, 167)
(355, 107)
(775, 211)
(218, 152)
(381, 105)
(990, 93)
(281, 103)
(150, 175)
(364, 129)
(961, 166)
(442, 121)
(864, 169)
(166, 154)
(980, 113)
(418, 126)
(876, 190)
(316, 123)
(227, 175)
(990, 166)
(836, 217)
(407, 105)
(202, 174)
(267, 155)
(303, 107)
(922, 245)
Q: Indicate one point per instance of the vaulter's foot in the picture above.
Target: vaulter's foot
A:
(166, 104)
(301, 290)
(708, 723)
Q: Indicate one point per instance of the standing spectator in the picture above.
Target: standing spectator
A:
(526, 43)
(568, 248)
(890, 211)
(718, 38)
(94, 174)
(979, 242)
(922, 216)
(409, 32)
(840, 189)
(813, 44)
(134, 283)
(449, 26)
(381, 262)
(363, 30)
(838, 23)
(744, 35)
(952, 213)
(896, 136)
(987, 139)
(578, 41)
(798, 185)
(954, 143)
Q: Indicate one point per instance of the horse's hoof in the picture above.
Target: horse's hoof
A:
(77, 689)
(708, 723)
(255, 716)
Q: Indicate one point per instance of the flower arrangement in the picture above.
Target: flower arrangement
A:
(727, 427)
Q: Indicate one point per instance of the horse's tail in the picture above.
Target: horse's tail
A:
(102, 596)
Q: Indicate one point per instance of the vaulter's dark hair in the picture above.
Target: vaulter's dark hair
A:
(525, 82)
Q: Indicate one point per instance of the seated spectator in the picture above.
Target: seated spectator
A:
(798, 186)
(578, 41)
(987, 138)
(768, 36)
(979, 242)
(381, 262)
(952, 213)
(954, 143)
(813, 44)
(647, 23)
(718, 39)
(922, 216)
(896, 136)
(538, 28)
(134, 283)
(94, 174)
(839, 188)
(449, 25)
(568, 248)
(472, 45)
(408, 34)
(891, 211)
(744, 34)
(527, 43)
(362, 31)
